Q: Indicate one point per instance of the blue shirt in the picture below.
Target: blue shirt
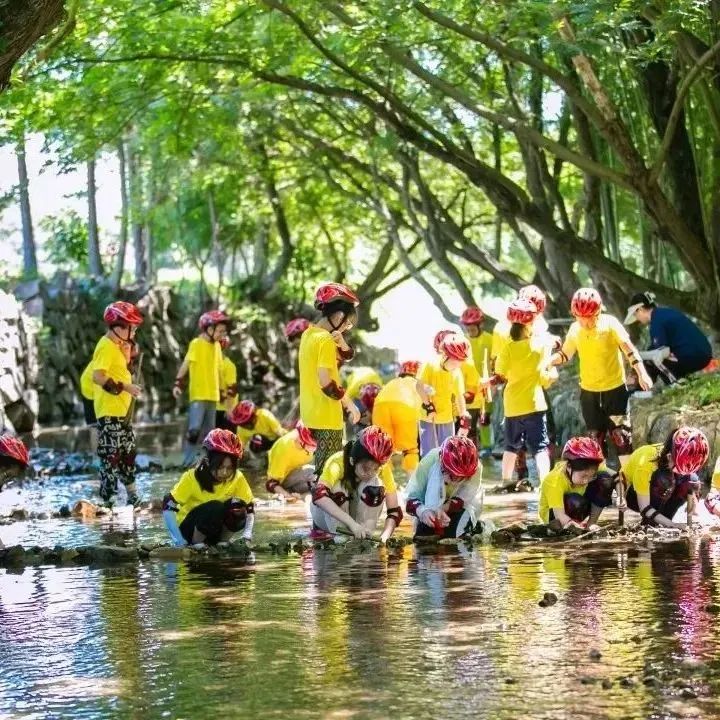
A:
(673, 329)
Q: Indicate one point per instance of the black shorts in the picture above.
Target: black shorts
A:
(209, 519)
(89, 411)
(526, 432)
(598, 407)
(221, 421)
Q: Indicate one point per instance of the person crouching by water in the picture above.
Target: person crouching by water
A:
(257, 428)
(660, 478)
(578, 488)
(212, 501)
(352, 487)
(290, 472)
(14, 460)
(445, 495)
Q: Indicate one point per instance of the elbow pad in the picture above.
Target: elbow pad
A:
(428, 407)
(396, 514)
(319, 492)
(169, 504)
(270, 485)
(497, 379)
(465, 422)
(469, 396)
(112, 387)
(334, 391)
(346, 355)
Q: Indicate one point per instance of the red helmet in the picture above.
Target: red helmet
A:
(328, 292)
(455, 347)
(690, 450)
(535, 295)
(472, 316)
(459, 456)
(305, 437)
(122, 313)
(242, 412)
(368, 393)
(212, 318)
(409, 367)
(377, 442)
(586, 302)
(296, 327)
(13, 448)
(583, 448)
(223, 441)
(521, 311)
(437, 340)
(225, 343)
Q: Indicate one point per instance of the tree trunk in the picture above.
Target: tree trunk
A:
(137, 229)
(94, 259)
(30, 267)
(124, 212)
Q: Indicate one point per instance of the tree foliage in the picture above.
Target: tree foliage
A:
(485, 145)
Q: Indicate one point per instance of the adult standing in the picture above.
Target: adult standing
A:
(677, 345)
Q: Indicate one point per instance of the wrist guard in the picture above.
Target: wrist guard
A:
(465, 422)
(455, 505)
(334, 391)
(469, 396)
(428, 407)
(412, 506)
(648, 515)
(395, 514)
(346, 355)
(112, 387)
(270, 485)
(497, 380)
(180, 382)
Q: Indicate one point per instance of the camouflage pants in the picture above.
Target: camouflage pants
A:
(116, 450)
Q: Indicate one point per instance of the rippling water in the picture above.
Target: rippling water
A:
(409, 633)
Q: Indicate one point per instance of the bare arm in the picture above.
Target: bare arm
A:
(328, 506)
(658, 518)
(391, 501)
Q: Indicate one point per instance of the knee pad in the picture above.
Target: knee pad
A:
(235, 515)
(193, 436)
(576, 506)
(128, 459)
(621, 438)
(598, 436)
(662, 485)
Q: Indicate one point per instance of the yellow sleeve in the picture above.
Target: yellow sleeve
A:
(219, 366)
(715, 484)
(327, 354)
(191, 354)
(458, 384)
(229, 371)
(502, 361)
(471, 376)
(426, 374)
(332, 473)
(241, 489)
(388, 479)
(554, 493)
(103, 358)
(275, 425)
(277, 467)
(619, 332)
(570, 345)
(640, 473)
(183, 489)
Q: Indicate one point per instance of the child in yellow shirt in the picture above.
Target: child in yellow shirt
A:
(112, 395)
(322, 345)
(212, 501)
(524, 367)
(442, 390)
(257, 427)
(289, 463)
(229, 380)
(203, 366)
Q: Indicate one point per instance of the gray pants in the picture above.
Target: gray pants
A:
(300, 479)
(432, 437)
(201, 420)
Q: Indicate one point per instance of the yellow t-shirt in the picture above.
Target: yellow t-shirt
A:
(266, 424)
(715, 484)
(471, 380)
(205, 366)
(359, 377)
(640, 466)
(500, 338)
(601, 364)
(554, 487)
(229, 377)
(482, 347)
(447, 386)
(188, 494)
(524, 363)
(87, 386)
(285, 456)
(317, 410)
(109, 358)
(334, 472)
(401, 390)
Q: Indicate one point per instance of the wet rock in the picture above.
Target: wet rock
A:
(502, 537)
(606, 684)
(692, 664)
(712, 608)
(595, 654)
(19, 514)
(548, 599)
(688, 692)
(588, 680)
(510, 681)
(652, 681)
(14, 555)
(68, 555)
(628, 681)
(165, 552)
(64, 511)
